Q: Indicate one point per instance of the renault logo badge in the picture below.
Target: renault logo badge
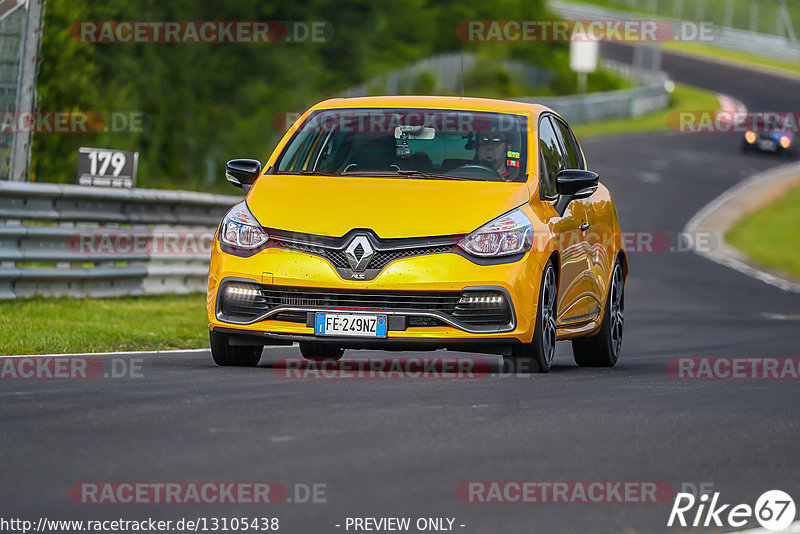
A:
(359, 252)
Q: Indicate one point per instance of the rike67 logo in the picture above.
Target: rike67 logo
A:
(774, 510)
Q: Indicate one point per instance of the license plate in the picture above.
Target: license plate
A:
(349, 324)
(766, 144)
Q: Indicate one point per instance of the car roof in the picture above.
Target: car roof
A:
(434, 102)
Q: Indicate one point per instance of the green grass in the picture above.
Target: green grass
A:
(64, 325)
(684, 98)
(767, 235)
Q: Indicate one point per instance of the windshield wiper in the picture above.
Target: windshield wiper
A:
(307, 172)
(428, 175)
(405, 174)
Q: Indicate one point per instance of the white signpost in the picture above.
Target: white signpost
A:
(583, 56)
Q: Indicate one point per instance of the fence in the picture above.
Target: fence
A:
(770, 17)
(444, 72)
(785, 48)
(11, 29)
(612, 104)
(649, 95)
(41, 252)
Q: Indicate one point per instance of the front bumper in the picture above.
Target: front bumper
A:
(276, 269)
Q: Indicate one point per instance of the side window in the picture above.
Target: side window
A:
(551, 159)
(572, 153)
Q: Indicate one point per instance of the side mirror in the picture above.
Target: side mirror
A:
(242, 172)
(572, 184)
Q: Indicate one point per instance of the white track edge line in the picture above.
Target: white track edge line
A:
(121, 353)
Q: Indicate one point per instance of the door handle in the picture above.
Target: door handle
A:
(584, 227)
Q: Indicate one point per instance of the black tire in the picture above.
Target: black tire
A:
(241, 356)
(603, 349)
(537, 356)
(320, 351)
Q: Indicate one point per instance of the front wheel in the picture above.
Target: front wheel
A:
(225, 354)
(603, 348)
(537, 356)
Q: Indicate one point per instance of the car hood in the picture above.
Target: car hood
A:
(391, 207)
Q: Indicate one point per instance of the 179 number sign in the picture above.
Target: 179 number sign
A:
(107, 168)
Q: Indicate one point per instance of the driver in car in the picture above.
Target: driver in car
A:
(491, 151)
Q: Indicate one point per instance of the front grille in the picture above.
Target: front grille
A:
(373, 300)
(385, 257)
(381, 259)
(478, 308)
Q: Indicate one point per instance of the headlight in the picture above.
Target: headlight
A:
(241, 230)
(511, 233)
(786, 141)
(750, 136)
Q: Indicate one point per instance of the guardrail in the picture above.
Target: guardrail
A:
(83, 241)
(608, 105)
(650, 94)
(733, 39)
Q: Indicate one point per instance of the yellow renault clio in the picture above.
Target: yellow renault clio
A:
(420, 223)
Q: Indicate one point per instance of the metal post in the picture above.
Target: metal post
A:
(787, 22)
(678, 9)
(26, 89)
(754, 15)
(657, 50)
(728, 21)
(701, 10)
(638, 51)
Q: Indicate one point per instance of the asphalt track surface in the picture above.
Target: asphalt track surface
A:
(401, 447)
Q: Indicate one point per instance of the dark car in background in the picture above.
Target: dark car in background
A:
(771, 134)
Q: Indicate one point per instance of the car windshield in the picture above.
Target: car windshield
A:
(409, 143)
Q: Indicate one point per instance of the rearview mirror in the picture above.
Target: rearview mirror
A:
(414, 132)
(572, 184)
(242, 172)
